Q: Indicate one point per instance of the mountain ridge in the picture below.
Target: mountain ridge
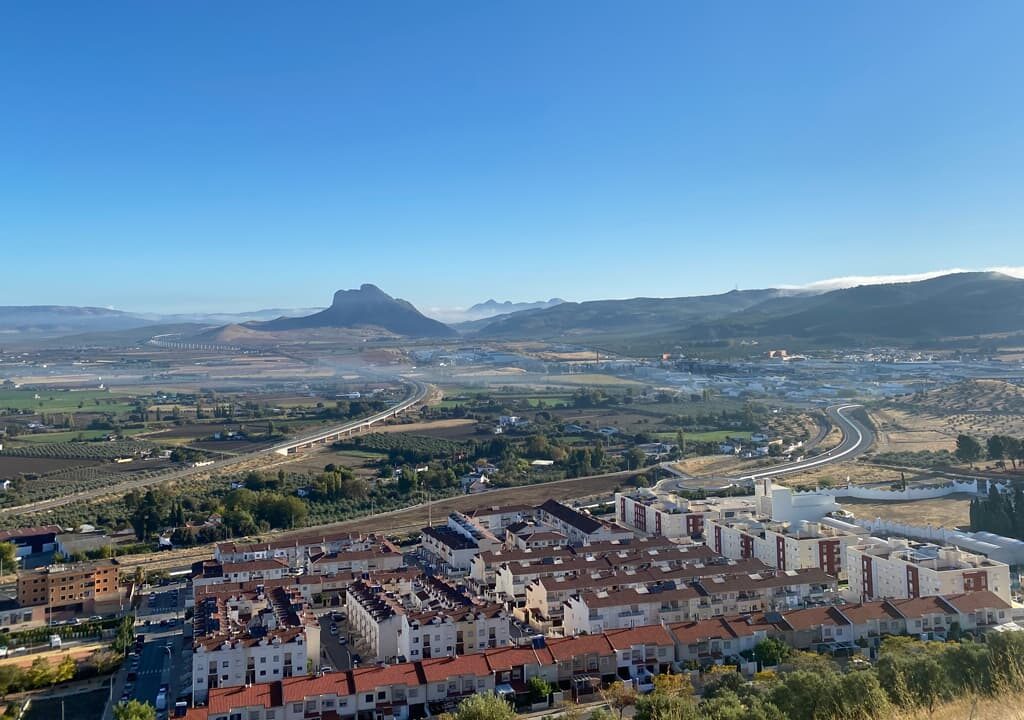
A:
(367, 306)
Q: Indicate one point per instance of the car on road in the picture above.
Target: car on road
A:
(343, 641)
(334, 629)
(356, 658)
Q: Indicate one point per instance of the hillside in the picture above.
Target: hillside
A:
(638, 316)
(951, 306)
(957, 305)
(55, 320)
(369, 306)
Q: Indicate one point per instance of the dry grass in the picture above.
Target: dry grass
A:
(932, 420)
(431, 428)
(1010, 707)
(852, 472)
(950, 511)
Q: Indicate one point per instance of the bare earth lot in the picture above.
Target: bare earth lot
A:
(950, 511)
(455, 429)
(13, 466)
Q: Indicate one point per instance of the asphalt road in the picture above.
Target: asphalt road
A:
(857, 439)
(338, 656)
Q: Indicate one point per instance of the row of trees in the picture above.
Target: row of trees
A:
(998, 448)
(909, 676)
(1000, 513)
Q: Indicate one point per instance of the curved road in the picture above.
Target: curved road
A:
(419, 391)
(857, 438)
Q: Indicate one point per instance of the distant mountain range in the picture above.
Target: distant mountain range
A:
(48, 321)
(951, 306)
(957, 305)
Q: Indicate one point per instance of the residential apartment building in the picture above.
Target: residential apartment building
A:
(456, 544)
(601, 611)
(579, 528)
(786, 546)
(72, 589)
(296, 549)
(577, 665)
(900, 568)
(675, 517)
(251, 636)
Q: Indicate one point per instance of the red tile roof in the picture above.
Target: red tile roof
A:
(643, 635)
(567, 648)
(437, 669)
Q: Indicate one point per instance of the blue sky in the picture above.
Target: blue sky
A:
(234, 155)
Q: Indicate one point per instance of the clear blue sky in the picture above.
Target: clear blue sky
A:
(234, 155)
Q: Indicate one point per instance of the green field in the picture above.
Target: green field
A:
(63, 400)
(71, 435)
(709, 436)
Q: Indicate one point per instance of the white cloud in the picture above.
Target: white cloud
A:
(855, 280)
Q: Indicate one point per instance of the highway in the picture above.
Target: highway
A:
(418, 393)
(857, 438)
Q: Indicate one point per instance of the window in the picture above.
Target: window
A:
(263, 660)
(381, 695)
(310, 705)
(296, 707)
(225, 664)
(369, 697)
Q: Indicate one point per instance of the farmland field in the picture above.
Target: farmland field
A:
(11, 467)
(64, 400)
(709, 436)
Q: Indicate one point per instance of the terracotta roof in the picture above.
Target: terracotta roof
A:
(919, 607)
(437, 669)
(978, 600)
(864, 612)
(507, 658)
(374, 677)
(691, 633)
(254, 565)
(225, 699)
(567, 648)
(809, 618)
(642, 635)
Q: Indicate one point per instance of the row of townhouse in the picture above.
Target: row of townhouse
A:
(670, 601)
(485, 564)
(511, 579)
(544, 599)
(432, 619)
(787, 546)
(579, 665)
(381, 557)
(834, 627)
(429, 687)
(662, 515)
(259, 634)
(296, 549)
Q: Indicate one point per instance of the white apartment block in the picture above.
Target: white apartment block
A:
(900, 568)
(456, 544)
(786, 546)
(579, 528)
(671, 516)
(296, 549)
(241, 638)
(596, 612)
